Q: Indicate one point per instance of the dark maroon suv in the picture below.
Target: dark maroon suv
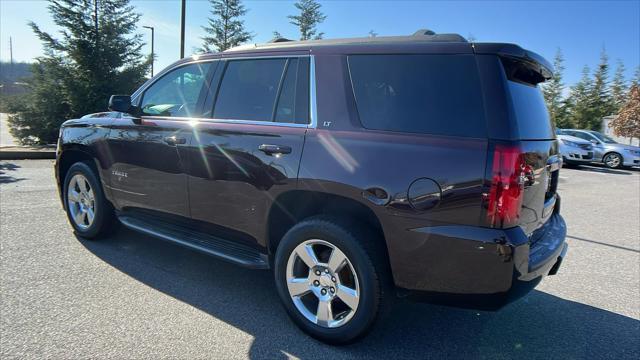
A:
(358, 170)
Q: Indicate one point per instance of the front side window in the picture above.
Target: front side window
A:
(604, 138)
(176, 94)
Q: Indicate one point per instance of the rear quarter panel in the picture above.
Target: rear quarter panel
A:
(341, 157)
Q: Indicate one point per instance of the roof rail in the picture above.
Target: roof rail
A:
(423, 32)
(432, 36)
(279, 40)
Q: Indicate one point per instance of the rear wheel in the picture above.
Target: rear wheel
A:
(613, 160)
(327, 281)
(89, 212)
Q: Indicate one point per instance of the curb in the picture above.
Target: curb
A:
(27, 155)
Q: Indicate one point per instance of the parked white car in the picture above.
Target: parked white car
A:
(574, 150)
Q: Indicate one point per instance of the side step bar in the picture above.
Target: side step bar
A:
(224, 249)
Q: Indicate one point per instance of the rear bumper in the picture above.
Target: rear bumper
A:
(483, 268)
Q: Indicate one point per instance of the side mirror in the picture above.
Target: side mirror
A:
(122, 103)
(595, 142)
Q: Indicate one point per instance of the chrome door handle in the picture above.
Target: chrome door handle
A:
(274, 149)
(174, 140)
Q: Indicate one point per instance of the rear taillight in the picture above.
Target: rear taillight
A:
(509, 173)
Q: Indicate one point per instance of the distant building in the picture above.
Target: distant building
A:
(607, 130)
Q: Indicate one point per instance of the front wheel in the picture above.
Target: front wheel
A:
(328, 282)
(613, 160)
(89, 212)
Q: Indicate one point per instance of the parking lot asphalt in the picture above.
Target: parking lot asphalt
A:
(132, 296)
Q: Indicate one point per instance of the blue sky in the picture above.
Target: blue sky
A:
(580, 28)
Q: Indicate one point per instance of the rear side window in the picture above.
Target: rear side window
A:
(431, 94)
(530, 111)
(293, 101)
(249, 89)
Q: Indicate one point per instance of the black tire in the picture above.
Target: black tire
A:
(366, 256)
(104, 219)
(613, 154)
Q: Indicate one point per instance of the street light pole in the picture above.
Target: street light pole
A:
(182, 29)
(153, 55)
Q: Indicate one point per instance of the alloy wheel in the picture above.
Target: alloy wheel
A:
(81, 201)
(612, 160)
(322, 283)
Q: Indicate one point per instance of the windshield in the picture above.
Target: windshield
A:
(604, 138)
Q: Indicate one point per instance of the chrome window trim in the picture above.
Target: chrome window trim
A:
(313, 106)
(223, 121)
(313, 111)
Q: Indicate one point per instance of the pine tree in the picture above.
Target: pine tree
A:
(579, 105)
(225, 29)
(619, 87)
(97, 55)
(553, 93)
(600, 95)
(309, 18)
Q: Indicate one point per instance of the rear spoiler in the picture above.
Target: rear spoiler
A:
(520, 64)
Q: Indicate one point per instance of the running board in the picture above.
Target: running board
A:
(224, 249)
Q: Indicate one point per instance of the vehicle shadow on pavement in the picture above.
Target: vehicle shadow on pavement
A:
(7, 166)
(604, 170)
(539, 326)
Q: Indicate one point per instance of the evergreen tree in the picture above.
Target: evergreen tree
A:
(600, 95)
(636, 77)
(619, 87)
(579, 105)
(97, 55)
(309, 18)
(225, 29)
(553, 94)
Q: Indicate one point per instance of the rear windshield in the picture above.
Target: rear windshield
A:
(530, 111)
(432, 94)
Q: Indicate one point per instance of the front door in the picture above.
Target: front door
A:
(147, 167)
(249, 152)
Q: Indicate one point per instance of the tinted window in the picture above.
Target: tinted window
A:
(530, 111)
(249, 89)
(177, 92)
(285, 111)
(434, 94)
(602, 137)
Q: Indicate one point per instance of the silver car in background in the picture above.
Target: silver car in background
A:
(606, 150)
(574, 150)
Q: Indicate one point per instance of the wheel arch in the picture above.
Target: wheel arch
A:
(71, 154)
(296, 205)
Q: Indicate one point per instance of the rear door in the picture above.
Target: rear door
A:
(249, 151)
(147, 167)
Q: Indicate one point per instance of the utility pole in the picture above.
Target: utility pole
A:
(11, 50)
(184, 5)
(153, 55)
